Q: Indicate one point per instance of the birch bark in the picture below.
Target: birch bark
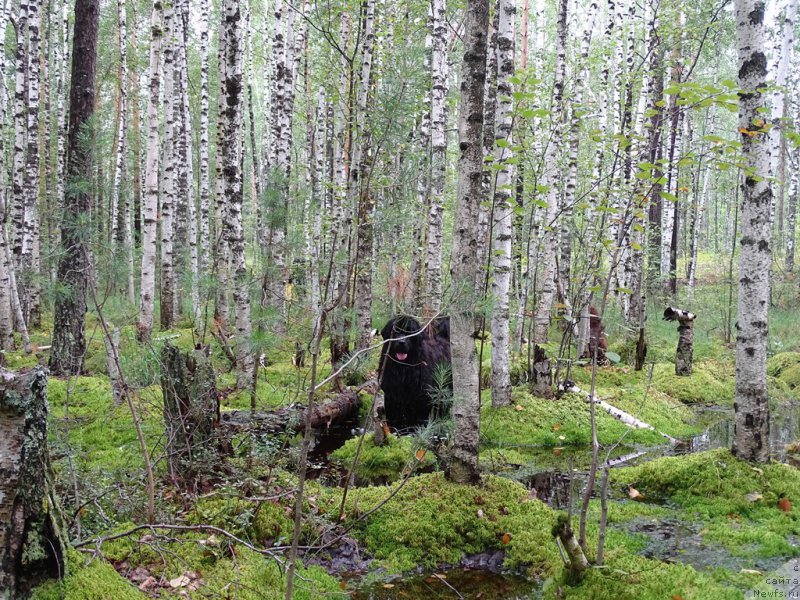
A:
(152, 161)
(463, 466)
(751, 421)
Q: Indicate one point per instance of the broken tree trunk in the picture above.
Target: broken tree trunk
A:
(577, 559)
(683, 355)
(293, 416)
(191, 412)
(32, 542)
(541, 374)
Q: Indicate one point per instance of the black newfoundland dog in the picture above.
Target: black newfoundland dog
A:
(409, 365)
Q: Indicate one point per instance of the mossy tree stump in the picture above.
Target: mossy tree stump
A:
(683, 354)
(32, 545)
(191, 412)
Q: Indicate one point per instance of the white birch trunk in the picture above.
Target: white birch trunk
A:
(463, 467)
(433, 279)
(169, 173)
(503, 209)
(150, 208)
(360, 177)
(550, 224)
(697, 225)
(751, 421)
(30, 237)
(204, 251)
(232, 159)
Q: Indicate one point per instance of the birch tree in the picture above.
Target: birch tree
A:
(751, 421)
(152, 163)
(74, 268)
(550, 236)
(503, 209)
(169, 161)
(232, 163)
(433, 278)
(463, 466)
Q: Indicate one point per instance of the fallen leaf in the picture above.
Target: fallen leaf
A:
(138, 575)
(342, 584)
(557, 427)
(480, 513)
(750, 572)
(148, 584)
(757, 470)
(754, 497)
(533, 494)
(677, 597)
(635, 494)
(784, 504)
(519, 407)
(562, 438)
(388, 586)
(180, 581)
(557, 451)
(506, 538)
(479, 500)
(419, 454)
(440, 576)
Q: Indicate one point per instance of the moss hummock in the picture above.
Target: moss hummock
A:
(382, 464)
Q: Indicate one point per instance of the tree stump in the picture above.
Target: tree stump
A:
(683, 354)
(191, 412)
(32, 543)
(542, 374)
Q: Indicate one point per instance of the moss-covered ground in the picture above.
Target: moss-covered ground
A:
(421, 520)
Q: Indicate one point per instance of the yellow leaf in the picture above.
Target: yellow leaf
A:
(419, 454)
(519, 407)
(634, 494)
(506, 538)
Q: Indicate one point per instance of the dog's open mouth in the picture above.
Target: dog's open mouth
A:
(401, 356)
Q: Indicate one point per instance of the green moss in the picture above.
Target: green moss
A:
(16, 360)
(432, 521)
(713, 487)
(630, 577)
(556, 422)
(791, 375)
(264, 522)
(96, 580)
(778, 363)
(706, 385)
(381, 464)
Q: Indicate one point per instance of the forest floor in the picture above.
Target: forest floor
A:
(685, 521)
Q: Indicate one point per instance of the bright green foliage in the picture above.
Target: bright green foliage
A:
(777, 364)
(558, 422)
(714, 486)
(631, 577)
(381, 464)
(791, 376)
(706, 385)
(432, 521)
(96, 580)
(263, 522)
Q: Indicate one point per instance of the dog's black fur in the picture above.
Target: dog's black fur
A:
(409, 366)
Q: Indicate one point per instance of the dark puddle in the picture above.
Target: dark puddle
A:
(453, 584)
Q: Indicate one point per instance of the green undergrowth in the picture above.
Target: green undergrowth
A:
(101, 433)
(224, 570)
(431, 521)
(737, 502)
(88, 580)
(382, 464)
(785, 367)
(555, 422)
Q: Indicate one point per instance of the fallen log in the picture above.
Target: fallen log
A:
(620, 415)
(324, 415)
